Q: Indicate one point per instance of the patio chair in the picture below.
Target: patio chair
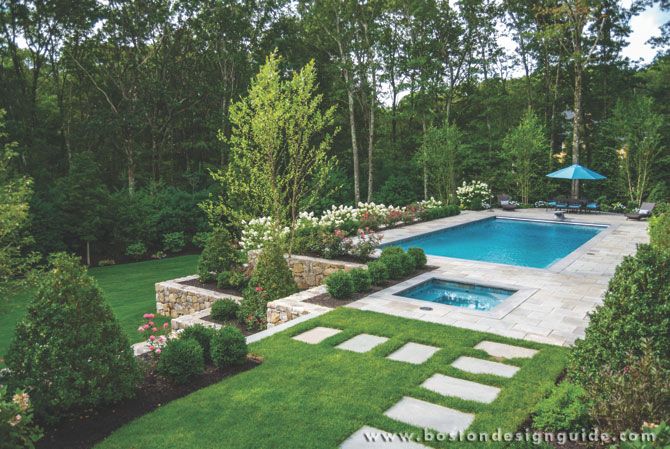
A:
(643, 212)
(561, 204)
(592, 206)
(551, 204)
(504, 201)
(575, 205)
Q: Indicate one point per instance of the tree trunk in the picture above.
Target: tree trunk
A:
(88, 253)
(577, 125)
(354, 143)
(371, 133)
(425, 169)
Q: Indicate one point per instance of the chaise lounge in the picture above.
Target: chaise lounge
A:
(643, 212)
(505, 203)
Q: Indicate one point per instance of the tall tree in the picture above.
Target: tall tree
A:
(440, 152)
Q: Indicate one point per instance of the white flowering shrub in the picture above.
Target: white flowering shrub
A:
(475, 195)
(431, 203)
(258, 231)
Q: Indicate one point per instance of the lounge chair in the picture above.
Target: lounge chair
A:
(561, 204)
(575, 205)
(505, 203)
(592, 206)
(643, 212)
(551, 204)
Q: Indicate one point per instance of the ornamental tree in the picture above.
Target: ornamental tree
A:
(440, 155)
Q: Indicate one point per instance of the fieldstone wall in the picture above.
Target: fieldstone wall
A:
(286, 309)
(309, 271)
(174, 299)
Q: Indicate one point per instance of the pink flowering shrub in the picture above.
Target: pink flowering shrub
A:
(156, 335)
(367, 241)
(17, 429)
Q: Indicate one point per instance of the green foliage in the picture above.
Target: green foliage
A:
(434, 213)
(200, 239)
(181, 360)
(69, 324)
(253, 308)
(659, 231)
(201, 334)
(419, 257)
(174, 242)
(229, 347)
(231, 278)
(340, 285)
(224, 310)
(378, 272)
(398, 263)
(564, 410)
(136, 250)
(439, 156)
(658, 437)
(388, 250)
(525, 149)
(273, 274)
(17, 429)
(361, 279)
(636, 308)
(398, 190)
(220, 254)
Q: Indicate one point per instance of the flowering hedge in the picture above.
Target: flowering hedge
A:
(475, 195)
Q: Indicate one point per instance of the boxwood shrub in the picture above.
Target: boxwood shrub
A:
(419, 257)
(201, 334)
(564, 410)
(361, 279)
(379, 274)
(224, 310)
(181, 360)
(229, 347)
(340, 285)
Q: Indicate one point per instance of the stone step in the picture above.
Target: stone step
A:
(316, 335)
(362, 343)
(505, 351)
(460, 388)
(415, 353)
(479, 366)
(371, 438)
(426, 415)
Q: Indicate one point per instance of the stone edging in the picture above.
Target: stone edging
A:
(291, 307)
(174, 299)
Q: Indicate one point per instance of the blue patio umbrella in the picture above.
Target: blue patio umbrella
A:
(576, 171)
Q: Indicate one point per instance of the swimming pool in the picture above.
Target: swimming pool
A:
(470, 296)
(525, 243)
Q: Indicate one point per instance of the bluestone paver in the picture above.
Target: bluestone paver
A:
(415, 353)
(432, 416)
(505, 351)
(371, 438)
(362, 343)
(479, 366)
(460, 388)
(316, 335)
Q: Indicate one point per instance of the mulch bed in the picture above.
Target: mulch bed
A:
(212, 286)
(328, 301)
(86, 430)
(241, 326)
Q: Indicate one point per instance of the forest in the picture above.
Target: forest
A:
(116, 113)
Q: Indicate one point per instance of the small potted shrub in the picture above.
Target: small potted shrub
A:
(340, 285)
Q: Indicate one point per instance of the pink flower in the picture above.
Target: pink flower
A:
(152, 338)
(151, 347)
(146, 326)
(149, 316)
(140, 329)
(165, 325)
(259, 289)
(150, 323)
(162, 339)
(153, 329)
(158, 350)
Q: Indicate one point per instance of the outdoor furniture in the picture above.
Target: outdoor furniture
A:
(643, 212)
(505, 203)
(592, 206)
(561, 204)
(550, 204)
(575, 205)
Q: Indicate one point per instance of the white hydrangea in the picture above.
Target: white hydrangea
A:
(474, 191)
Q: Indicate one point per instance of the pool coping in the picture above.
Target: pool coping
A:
(520, 295)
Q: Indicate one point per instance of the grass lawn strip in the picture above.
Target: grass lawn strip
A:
(315, 396)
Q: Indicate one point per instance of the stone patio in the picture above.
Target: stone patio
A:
(551, 304)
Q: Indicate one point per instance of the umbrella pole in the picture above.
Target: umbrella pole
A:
(575, 189)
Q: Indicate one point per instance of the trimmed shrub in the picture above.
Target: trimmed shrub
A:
(340, 285)
(136, 250)
(659, 231)
(253, 309)
(389, 250)
(174, 242)
(181, 360)
(234, 279)
(361, 280)
(379, 274)
(203, 335)
(565, 409)
(69, 325)
(395, 265)
(220, 254)
(224, 310)
(273, 274)
(229, 347)
(419, 257)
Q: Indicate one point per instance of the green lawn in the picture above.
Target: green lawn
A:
(315, 396)
(129, 289)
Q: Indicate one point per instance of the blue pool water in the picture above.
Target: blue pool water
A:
(475, 297)
(512, 242)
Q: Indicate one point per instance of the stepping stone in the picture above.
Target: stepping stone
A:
(362, 343)
(460, 388)
(413, 353)
(424, 414)
(479, 366)
(316, 335)
(370, 438)
(505, 351)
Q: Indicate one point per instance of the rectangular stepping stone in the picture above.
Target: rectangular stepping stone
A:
(424, 414)
(316, 335)
(370, 438)
(460, 388)
(505, 351)
(362, 343)
(479, 366)
(413, 353)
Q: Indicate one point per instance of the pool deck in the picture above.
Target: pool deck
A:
(551, 305)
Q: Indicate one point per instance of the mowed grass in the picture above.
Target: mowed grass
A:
(128, 288)
(315, 396)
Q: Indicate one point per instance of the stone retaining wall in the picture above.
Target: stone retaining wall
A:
(286, 309)
(309, 271)
(174, 299)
